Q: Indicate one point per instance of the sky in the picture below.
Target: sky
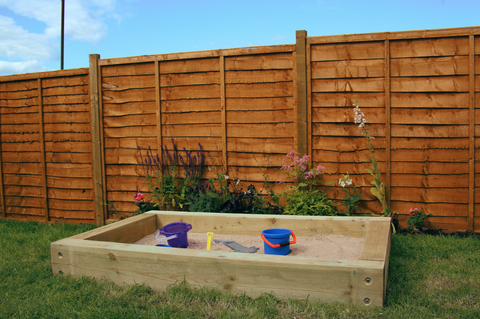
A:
(30, 30)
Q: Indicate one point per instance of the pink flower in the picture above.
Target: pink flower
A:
(412, 211)
(320, 168)
(280, 181)
(138, 197)
(291, 154)
(309, 174)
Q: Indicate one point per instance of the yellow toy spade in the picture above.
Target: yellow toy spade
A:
(209, 243)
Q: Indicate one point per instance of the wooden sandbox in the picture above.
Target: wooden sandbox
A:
(107, 252)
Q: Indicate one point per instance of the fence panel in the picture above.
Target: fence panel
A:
(430, 129)
(234, 103)
(260, 121)
(343, 73)
(21, 150)
(128, 96)
(417, 91)
(68, 148)
(46, 146)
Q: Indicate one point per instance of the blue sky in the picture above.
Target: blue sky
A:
(30, 29)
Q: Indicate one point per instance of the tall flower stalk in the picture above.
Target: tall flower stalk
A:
(169, 190)
(379, 189)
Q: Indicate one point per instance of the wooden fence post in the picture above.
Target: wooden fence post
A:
(224, 113)
(96, 140)
(42, 149)
(301, 112)
(158, 104)
(388, 122)
(471, 164)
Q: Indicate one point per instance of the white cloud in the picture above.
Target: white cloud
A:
(84, 21)
(21, 67)
(17, 42)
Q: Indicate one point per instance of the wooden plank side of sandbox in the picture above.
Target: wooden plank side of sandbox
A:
(126, 231)
(376, 241)
(285, 277)
(253, 225)
(377, 246)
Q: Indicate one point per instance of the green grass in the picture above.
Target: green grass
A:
(429, 277)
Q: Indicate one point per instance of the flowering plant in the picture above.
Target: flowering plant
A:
(350, 199)
(169, 190)
(138, 197)
(302, 198)
(142, 204)
(417, 220)
(298, 170)
(379, 187)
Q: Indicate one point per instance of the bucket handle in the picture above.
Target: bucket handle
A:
(166, 238)
(281, 244)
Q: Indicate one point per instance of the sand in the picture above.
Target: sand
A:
(319, 246)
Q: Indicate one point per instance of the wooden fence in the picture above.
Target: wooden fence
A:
(46, 170)
(417, 90)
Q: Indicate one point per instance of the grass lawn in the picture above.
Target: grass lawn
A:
(429, 277)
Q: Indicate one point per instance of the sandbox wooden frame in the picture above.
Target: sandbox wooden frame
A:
(107, 252)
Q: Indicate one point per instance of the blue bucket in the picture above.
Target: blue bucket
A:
(276, 241)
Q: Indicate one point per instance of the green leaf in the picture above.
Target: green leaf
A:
(376, 193)
(356, 198)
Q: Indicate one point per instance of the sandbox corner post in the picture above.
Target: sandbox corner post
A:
(96, 139)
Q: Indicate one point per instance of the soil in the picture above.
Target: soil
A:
(319, 246)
